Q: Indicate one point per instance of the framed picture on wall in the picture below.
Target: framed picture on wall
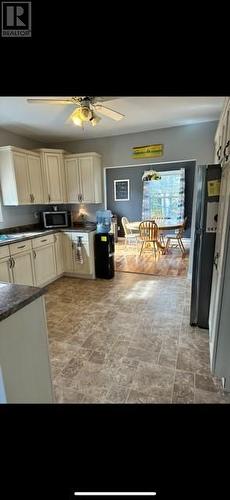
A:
(121, 190)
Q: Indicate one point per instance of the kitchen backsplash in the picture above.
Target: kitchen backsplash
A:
(21, 215)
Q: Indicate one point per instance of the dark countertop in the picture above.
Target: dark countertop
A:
(15, 297)
(27, 235)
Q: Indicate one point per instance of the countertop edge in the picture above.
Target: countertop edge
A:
(37, 292)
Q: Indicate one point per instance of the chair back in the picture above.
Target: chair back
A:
(148, 230)
(125, 222)
(180, 231)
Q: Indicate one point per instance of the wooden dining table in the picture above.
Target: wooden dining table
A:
(163, 225)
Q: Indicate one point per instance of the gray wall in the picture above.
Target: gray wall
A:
(132, 209)
(180, 143)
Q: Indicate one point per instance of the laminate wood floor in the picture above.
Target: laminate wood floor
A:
(127, 259)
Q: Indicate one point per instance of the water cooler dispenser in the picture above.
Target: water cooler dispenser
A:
(104, 246)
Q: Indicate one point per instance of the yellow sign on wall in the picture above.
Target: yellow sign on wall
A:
(151, 151)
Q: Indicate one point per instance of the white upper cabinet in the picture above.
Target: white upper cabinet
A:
(53, 175)
(21, 176)
(83, 178)
(35, 175)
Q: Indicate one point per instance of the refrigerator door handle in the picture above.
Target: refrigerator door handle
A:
(216, 259)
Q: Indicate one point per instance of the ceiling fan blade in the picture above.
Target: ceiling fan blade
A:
(50, 101)
(108, 112)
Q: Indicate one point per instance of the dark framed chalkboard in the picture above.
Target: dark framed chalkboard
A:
(121, 190)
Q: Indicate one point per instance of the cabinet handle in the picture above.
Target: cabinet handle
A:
(22, 246)
(49, 197)
(216, 259)
(13, 262)
(227, 145)
(10, 262)
(218, 153)
(43, 241)
(34, 254)
(31, 198)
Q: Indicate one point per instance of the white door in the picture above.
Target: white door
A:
(35, 176)
(87, 179)
(44, 264)
(5, 270)
(22, 178)
(84, 267)
(72, 180)
(22, 268)
(59, 253)
(220, 248)
(67, 252)
(54, 178)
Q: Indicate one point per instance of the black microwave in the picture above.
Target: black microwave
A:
(55, 219)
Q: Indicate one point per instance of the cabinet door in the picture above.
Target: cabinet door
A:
(59, 253)
(55, 177)
(23, 268)
(22, 178)
(72, 180)
(35, 177)
(5, 270)
(44, 264)
(87, 179)
(84, 267)
(67, 252)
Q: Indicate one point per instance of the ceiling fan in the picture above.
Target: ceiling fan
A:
(85, 108)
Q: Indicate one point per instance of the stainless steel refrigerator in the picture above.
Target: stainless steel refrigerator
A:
(207, 186)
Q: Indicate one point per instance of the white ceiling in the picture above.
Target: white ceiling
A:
(46, 122)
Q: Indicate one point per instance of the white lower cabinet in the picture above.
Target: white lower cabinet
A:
(67, 252)
(58, 244)
(5, 270)
(22, 268)
(44, 264)
(84, 266)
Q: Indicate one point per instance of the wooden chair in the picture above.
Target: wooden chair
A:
(129, 235)
(149, 234)
(176, 238)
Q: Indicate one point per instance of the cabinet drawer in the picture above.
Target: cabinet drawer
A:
(4, 251)
(43, 240)
(19, 247)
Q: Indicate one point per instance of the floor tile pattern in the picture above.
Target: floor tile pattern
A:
(127, 340)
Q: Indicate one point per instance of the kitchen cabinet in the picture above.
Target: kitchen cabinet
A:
(53, 175)
(5, 270)
(67, 252)
(21, 176)
(44, 259)
(222, 137)
(83, 178)
(59, 253)
(22, 268)
(5, 264)
(78, 267)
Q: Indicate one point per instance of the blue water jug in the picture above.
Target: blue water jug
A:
(103, 218)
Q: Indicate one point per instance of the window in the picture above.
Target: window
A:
(164, 198)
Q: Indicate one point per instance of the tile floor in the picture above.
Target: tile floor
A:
(127, 340)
